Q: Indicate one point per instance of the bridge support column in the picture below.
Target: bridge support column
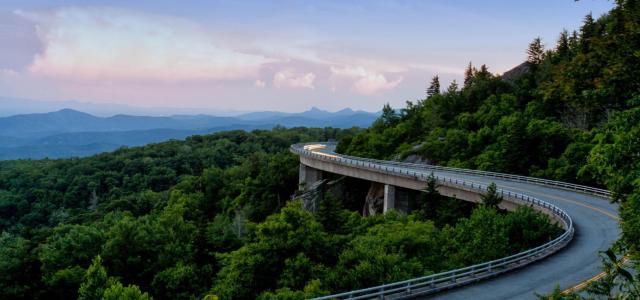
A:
(308, 176)
(389, 198)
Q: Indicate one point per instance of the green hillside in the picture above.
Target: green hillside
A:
(572, 114)
(213, 215)
(218, 215)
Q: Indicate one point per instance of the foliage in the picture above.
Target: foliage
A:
(17, 265)
(570, 113)
(211, 215)
(491, 198)
(120, 292)
(95, 281)
(215, 218)
(295, 250)
(156, 216)
(434, 87)
(535, 53)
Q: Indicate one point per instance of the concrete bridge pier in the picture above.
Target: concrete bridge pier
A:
(395, 198)
(389, 198)
(308, 176)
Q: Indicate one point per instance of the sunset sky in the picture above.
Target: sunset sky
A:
(254, 55)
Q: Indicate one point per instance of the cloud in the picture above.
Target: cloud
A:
(438, 69)
(108, 43)
(8, 73)
(364, 81)
(288, 78)
(259, 83)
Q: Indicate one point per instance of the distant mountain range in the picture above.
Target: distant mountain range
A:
(10, 106)
(68, 132)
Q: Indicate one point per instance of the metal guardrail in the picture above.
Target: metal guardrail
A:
(453, 278)
(540, 181)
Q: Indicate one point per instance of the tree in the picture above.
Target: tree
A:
(535, 52)
(434, 87)
(491, 198)
(249, 270)
(431, 198)
(120, 292)
(562, 47)
(394, 250)
(66, 255)
(468, 74)
(311, 290)
(619, 283)
(483, 73)
(389, 116)
(95, 281)
(137, 249)
(518, 224)
(588, 28)
(19, 268)
(453, 87)
(329, 213)
(179, 282)
(479, 238)
(616, 161)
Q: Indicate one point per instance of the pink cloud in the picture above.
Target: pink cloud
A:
(364, 81)
(288, 78)
(259, 83)
(118, 44)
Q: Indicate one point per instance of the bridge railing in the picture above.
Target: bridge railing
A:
(453, 278)
(540, 181)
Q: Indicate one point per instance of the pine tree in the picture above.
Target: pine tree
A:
(121, 292)
(535, 53)
(483, 73)
(329, 213)
(95, 281)
(389, 116)
(491, 198)
(434, 88)
(587, 31)
(468, 74)
(563, 43)
(430, 199)
(588, 28)
(453, 87)
(573, 39)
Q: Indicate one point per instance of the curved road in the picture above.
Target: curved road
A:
(596, 228)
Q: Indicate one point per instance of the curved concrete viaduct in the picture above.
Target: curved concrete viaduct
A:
(575, 258)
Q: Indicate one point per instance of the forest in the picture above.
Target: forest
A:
(216, 215)
(213, 215)
(570, 113)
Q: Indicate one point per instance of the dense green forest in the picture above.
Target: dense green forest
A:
(212, 216)
(573, 114)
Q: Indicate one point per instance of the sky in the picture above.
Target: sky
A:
(260, 55)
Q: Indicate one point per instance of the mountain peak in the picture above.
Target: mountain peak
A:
(345, 110)
(67, 111)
